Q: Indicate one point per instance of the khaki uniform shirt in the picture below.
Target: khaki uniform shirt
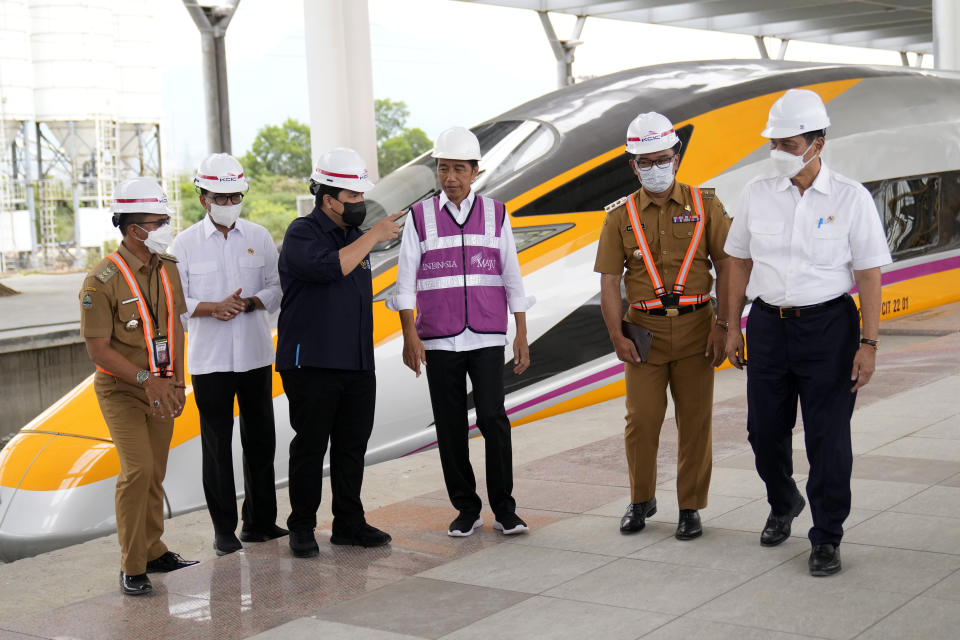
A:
(680, 336)
(106, 305)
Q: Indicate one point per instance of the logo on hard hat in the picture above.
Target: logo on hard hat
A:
(230, 177)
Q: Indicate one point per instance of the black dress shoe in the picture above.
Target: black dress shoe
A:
(303, 544)
(824, 560)
(224, 543)
(362, 536)
(169, 561)
(137, 585)
(635, 517)
(688, 526)
(777, 528)
(262, 535)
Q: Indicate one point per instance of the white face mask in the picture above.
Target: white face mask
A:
(787, 165)
(158, 240)
(656, 179)
(225, 215)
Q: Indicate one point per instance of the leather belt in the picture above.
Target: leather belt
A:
(797, 312)
(673, 312)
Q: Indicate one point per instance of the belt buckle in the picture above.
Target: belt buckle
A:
(672, 313)
(788, 310)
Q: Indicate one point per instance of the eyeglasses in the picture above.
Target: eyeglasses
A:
(660, 163)
(224, 199)
(158, 223)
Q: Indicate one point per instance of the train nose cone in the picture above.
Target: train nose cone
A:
(55, 491)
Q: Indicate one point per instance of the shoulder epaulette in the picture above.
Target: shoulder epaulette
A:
(613, 205)
(170, 257)
(708, 192)
(107, 272)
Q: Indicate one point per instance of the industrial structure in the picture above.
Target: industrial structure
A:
(80, 109)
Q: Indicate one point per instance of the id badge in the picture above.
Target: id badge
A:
(161, 352)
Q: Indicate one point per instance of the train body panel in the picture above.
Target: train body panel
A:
(556, 161)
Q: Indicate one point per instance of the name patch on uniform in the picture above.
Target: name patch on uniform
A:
(691, 218)
(87, 301)
(630, 227)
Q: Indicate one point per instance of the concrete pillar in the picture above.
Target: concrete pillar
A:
(340, 78)
(946, 34)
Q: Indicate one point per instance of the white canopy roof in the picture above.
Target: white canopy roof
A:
(903, 25)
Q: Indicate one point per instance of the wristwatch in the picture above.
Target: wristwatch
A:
(142, 376)
(873, 343)
(251, 305)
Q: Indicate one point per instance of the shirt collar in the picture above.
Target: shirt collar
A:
(469, 199)
(209, 229)
(676, 194)
(821, 183)
(133, 261)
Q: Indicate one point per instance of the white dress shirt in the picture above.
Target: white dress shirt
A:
(806, 248)
(408, 263)
(213, 267)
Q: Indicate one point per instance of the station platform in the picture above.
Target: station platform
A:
(574, 575)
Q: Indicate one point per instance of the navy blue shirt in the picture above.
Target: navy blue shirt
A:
(326, 318)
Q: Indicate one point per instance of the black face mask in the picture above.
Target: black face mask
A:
(354, 213)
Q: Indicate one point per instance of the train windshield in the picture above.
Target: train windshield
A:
(505, 146)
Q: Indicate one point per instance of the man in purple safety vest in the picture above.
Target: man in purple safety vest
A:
(458, 266)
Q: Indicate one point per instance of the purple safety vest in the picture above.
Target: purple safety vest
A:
(459, 282)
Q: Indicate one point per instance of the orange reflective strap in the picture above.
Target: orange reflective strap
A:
(168, 294)
(694, 241)
(146, 322)
(680, 285)
(658, 287)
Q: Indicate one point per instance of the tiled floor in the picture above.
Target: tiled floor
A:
(575, 576)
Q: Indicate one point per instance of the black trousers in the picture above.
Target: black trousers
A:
(214, 394)
(809, 358)
(328, 405)
(447, 373)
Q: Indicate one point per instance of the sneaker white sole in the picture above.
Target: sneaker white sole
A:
(520, 528)
(456, 533)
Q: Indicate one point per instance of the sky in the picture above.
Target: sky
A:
(426, 53)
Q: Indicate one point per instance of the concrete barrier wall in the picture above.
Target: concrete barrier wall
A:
(35, 378)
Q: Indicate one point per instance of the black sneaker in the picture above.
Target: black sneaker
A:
(464, 525)
(363, 536)
(224, 543)
(510, 524)
(262, 535)
(303, 544)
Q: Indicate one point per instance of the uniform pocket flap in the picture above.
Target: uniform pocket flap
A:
(251, 262)
(766, 226)
(203, 267)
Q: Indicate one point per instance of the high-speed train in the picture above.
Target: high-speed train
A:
(556, 161)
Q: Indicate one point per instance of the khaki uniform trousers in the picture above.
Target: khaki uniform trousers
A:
(143, 443)
(691, 384)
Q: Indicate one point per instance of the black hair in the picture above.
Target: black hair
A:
(810, 136)
(318, 189)
(124, 220)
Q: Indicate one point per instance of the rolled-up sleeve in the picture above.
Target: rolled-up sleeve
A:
(408, 261)
(180, 250)
(868, 242)
(270, 294)
(738, 237)
(517, 300)
(307, 259)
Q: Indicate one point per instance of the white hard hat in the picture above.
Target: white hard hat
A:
(797, 111)
(342, 168)
(456, 143)
(221, 173)
(139, 195)
(649, 133)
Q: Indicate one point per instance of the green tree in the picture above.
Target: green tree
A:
(280, 150)
(396, 144)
